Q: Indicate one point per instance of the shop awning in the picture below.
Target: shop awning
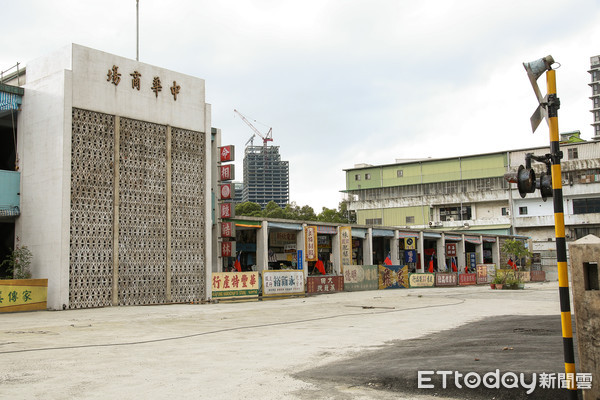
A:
(10, 97)
(456, 238)
(359, 233)
(281, 225)
(432, 235)
(408, 234)
(10, 212)
(327, 230)
(473, 239)
(489, 239)
(247, 224)
(383, 233)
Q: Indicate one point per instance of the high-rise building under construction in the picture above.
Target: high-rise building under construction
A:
(266, 177)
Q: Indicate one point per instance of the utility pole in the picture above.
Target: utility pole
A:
(137, 30)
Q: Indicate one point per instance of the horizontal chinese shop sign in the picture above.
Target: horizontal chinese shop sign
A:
(393, 276)
(446, 279)
(419, 280)
(23, 294)
(467, 279)
(325, 284)
(235, 285)
(361, 277)
(283, 282)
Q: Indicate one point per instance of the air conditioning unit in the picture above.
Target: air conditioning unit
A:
(435, 223)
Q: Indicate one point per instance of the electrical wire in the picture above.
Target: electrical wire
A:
(87, 346)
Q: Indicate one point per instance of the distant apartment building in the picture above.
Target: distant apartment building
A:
(595, 84)
(266, 176)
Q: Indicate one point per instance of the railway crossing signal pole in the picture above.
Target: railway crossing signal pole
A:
(548, 109)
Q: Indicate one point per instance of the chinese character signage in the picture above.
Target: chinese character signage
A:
(361, 277)
(410, 256)
(283, 282)
(393, 276)
(235, 284)
(227, 229)
(410, 243)
(114, 77)
(225, 191)
(421, 280)
(467, 279)
(324, 284)
(227, 172)
(310, 239)
(227, 249)
(448, 279)
(451, 249)
(345, 245)
(227, 153)
(226, 210)
(23, 294)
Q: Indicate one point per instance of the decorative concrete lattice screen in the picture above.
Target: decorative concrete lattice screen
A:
(187, 216)
(92, 192)
(157, 262)
(142, 213)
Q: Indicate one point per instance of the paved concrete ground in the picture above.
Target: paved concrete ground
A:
(291, 348)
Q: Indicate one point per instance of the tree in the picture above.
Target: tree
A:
(516, 249)
(248, 208)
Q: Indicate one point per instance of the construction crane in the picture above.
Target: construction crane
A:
(266, 138)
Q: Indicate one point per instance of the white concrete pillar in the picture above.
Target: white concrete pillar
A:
(336, 253)
(479, 250)
(440, 252)
(421, 251)
(460, 255)
(496, 252)
(368, 248)
(394, 248)
(262, 247)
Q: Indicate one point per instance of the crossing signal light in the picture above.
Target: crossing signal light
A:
(544, 183)
(524, 178)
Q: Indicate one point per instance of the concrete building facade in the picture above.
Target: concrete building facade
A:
(114, 157)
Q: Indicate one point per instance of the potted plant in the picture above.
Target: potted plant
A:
(499, 280)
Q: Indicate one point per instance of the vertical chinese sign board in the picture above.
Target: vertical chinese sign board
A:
(310, 243)
(235, 285)
(23, 294)
(226, 209)
(345, 246)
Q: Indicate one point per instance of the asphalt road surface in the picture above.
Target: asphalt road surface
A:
(360, 345)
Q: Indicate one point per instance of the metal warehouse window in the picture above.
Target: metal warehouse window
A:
(586, 206)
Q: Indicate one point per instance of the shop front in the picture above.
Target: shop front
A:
(283, 245)
(245, 238)
(382, 245)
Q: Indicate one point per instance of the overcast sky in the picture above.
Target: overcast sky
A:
(343, 82)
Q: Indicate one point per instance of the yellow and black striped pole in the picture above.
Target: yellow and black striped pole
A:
(559, 228)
